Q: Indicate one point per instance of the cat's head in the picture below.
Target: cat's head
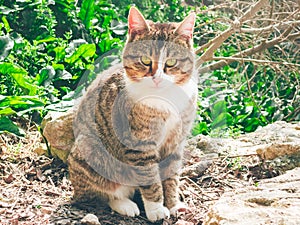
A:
(160, 52)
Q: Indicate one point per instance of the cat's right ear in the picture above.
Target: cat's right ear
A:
(136, 21)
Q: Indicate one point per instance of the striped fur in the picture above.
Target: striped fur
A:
(129, 132)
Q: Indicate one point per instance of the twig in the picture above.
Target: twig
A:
(17, 196)
(258, 48)
(51, 181)
(235, 59)
(218, 41)
(270, 27)
(195, 186)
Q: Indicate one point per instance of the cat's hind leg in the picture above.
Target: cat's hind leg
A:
(120, 202)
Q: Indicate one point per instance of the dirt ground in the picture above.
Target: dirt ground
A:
(34, 189)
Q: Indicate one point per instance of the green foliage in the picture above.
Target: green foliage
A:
(86, 12)
(230, 101)
(6, 125)
(50, 50)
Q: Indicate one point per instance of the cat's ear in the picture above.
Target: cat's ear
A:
(186, 27)
(136, 21)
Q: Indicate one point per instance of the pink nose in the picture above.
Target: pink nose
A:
(156, 80)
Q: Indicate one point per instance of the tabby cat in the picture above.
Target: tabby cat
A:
(132, 122)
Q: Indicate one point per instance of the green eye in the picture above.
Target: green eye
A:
(171, 62)
(146, 60)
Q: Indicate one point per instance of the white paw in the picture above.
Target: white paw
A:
(156, 211)
(125, 207)
(179, 207)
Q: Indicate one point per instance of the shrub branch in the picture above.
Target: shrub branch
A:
(272, 27)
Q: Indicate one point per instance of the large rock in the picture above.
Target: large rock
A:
(273, 201)
(269, 142)
(58, 131)
(279, 141)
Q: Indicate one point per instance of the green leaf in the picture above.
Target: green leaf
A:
(86, 13)
(7, 111)
(66, 5)
(18, 74)
(46, 74)
(251, 124)
(218, 108)
(6, 125)
(84, 50)
(57, 66)
(21, 103)
(200, 128)
(222, 120)
(45, 40)
(60, 53)
(6, 24)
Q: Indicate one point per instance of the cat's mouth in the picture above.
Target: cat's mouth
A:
(161, 84)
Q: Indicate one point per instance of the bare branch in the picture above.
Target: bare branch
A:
(258, 61)
(258, 48)
(270, 27)
(218, 41)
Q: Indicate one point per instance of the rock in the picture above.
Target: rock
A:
(274, 140)
(58, 130)
(283, 138)
(275, 150)
(273, 201)
(41, 149)
(90, 219)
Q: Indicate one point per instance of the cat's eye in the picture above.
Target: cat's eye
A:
(171, 62)
(146, 60)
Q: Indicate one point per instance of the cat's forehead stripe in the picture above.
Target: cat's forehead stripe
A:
(161, 32)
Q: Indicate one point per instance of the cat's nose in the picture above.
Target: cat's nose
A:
(156, 80)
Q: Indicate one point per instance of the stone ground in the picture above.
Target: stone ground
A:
(251, 179)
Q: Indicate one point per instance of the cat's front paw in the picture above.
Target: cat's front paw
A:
(156, 211)
(179, 207)
(125, 207)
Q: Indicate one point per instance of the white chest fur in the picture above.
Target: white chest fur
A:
(167, 96)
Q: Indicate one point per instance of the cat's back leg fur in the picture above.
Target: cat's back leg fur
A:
(88, 184)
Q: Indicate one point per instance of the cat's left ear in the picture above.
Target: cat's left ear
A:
(186, 27)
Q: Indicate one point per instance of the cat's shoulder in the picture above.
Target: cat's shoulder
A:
(113, 76)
